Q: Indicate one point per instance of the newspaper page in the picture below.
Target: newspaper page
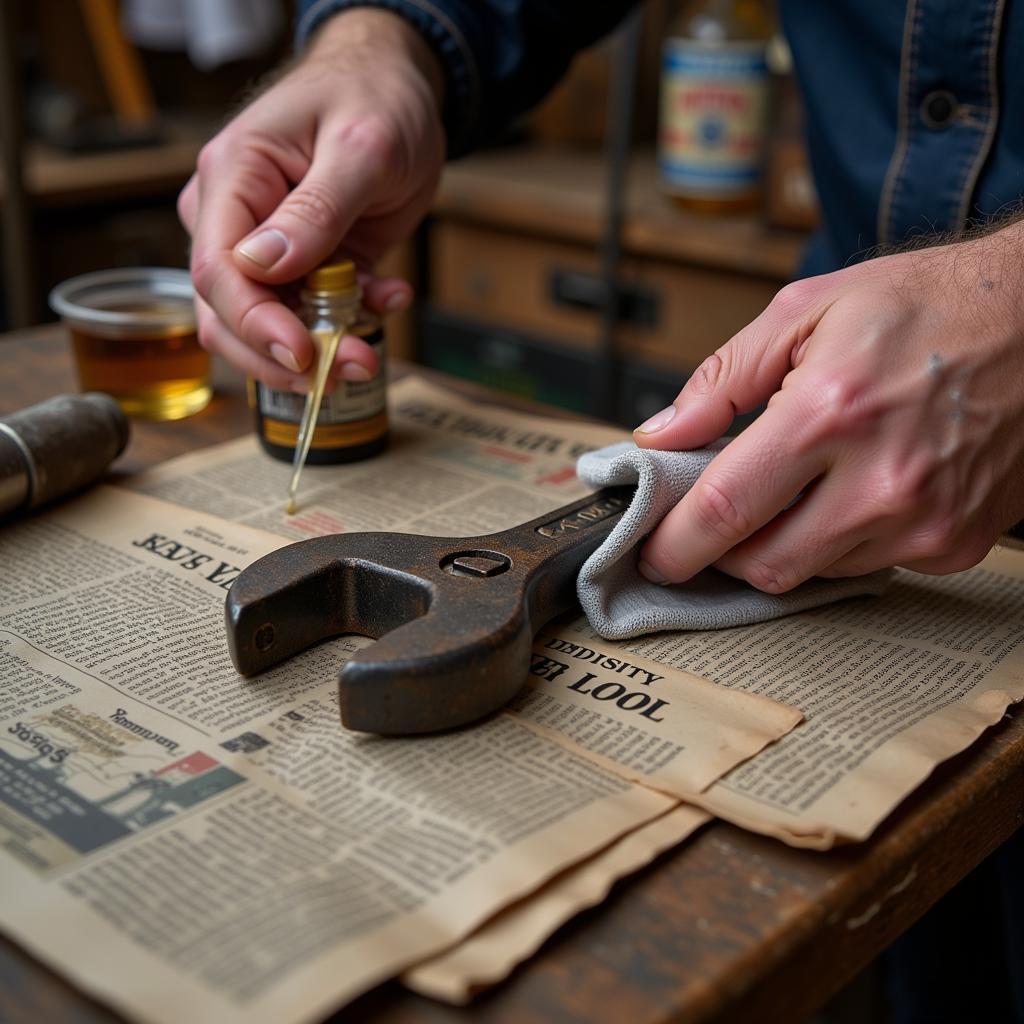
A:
(889, 687)
(455, 468)
(452, 468)
(494, 950)
(188, 845)
(669, 729)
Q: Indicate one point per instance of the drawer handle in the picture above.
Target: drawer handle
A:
(582, 290)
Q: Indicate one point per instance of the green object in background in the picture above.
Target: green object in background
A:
(520, 365)
(514, 381)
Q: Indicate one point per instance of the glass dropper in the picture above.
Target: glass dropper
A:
(330, 306)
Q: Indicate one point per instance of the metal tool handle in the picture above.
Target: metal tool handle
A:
(455, 617)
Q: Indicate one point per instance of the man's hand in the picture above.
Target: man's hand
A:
(895, 407)
(340, 156)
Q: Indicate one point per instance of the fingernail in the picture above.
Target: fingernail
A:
(650, 573)
(265, 248)
(397, 302)
(285, 357)
(355, 371)
(657, 422)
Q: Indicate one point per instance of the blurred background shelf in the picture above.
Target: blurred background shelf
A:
(55, 178)
(559, 192)
(513, 286)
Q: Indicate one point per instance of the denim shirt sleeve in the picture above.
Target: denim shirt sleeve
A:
(500, 57)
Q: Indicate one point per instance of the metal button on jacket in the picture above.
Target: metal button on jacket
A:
(938, 109)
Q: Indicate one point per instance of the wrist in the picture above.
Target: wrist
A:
(381, 37)
(994, 281)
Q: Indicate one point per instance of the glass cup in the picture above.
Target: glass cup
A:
(133, 331)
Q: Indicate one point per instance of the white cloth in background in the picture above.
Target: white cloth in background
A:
(213, 32)
(620, 603)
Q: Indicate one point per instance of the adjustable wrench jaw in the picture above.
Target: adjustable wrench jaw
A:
(454, 619)
(414, 681)
(301, 594)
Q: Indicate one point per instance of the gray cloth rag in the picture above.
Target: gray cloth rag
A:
(619, 602)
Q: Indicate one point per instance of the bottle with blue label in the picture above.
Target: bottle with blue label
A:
(714, 104)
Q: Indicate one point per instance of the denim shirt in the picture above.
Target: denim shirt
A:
(915, 111)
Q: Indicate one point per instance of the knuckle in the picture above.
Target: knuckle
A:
(941, 540)
(206, 271)
(791, 300)
(838, 400)
(316, 205)
(250, 329)
(252, 177)
(769, 577)
(183, 204)
(377, 139)
(837, 407)
(893, 494)
(661, 556)
(705, 378)
(211, 156)
(717, 513)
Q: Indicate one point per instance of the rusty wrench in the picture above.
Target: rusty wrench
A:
(454, 618)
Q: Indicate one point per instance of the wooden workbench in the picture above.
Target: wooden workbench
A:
(728, 927)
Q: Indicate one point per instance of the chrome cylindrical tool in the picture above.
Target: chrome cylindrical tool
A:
(56, 447)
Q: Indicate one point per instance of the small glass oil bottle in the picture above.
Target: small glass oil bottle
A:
(353, 421)
(714, 104)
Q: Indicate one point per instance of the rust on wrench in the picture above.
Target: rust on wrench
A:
(454, 618)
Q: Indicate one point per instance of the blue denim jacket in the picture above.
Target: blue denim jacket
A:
(915, 111)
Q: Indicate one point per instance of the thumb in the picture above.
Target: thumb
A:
(742, 374)
(310, 222)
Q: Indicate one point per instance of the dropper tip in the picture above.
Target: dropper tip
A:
(291, 508)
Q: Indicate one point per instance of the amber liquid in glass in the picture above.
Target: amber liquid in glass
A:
(158, 374)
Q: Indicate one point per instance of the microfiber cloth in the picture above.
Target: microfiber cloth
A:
(619, 602)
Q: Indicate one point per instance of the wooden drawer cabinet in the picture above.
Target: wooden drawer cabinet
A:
(675, 314)
(514, 295)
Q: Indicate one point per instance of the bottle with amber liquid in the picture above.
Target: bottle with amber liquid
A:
(714, 104)
(352, 422)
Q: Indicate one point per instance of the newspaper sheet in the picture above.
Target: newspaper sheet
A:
(889, 688)
(496, 948)
(669, 729)
(188, 845)
(453, 468)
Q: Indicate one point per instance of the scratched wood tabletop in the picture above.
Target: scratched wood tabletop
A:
(729, 927)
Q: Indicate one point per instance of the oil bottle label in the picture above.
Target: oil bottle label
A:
(351, 400)
(353, 414)
(714, 103)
